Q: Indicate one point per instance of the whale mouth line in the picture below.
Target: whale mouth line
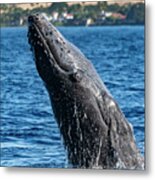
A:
(52, 59)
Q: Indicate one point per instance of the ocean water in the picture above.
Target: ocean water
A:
(29, 132)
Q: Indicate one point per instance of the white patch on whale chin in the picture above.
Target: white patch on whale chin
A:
(111, 104)
(99, 153)
(120, 164)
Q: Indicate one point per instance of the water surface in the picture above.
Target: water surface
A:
(29, 133)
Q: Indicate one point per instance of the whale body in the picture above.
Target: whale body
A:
(95, 131)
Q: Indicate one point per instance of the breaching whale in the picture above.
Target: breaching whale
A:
(95, 132)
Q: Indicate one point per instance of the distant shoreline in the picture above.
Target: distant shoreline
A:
(62, 14)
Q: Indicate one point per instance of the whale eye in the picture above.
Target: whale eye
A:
(76, 76)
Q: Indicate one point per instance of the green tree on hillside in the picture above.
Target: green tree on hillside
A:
(125, 9)
(113, 7)
(102, 5)
(136, 13)
(59, 7)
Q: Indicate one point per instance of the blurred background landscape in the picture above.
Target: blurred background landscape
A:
(123, 12)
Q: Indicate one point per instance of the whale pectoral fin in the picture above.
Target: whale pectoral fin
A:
(112, 114)
(120, 134)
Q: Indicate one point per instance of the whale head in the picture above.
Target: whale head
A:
(57, 60)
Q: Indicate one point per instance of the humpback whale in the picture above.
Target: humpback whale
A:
(95, 131)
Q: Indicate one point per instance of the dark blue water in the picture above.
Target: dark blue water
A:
(29, 133)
